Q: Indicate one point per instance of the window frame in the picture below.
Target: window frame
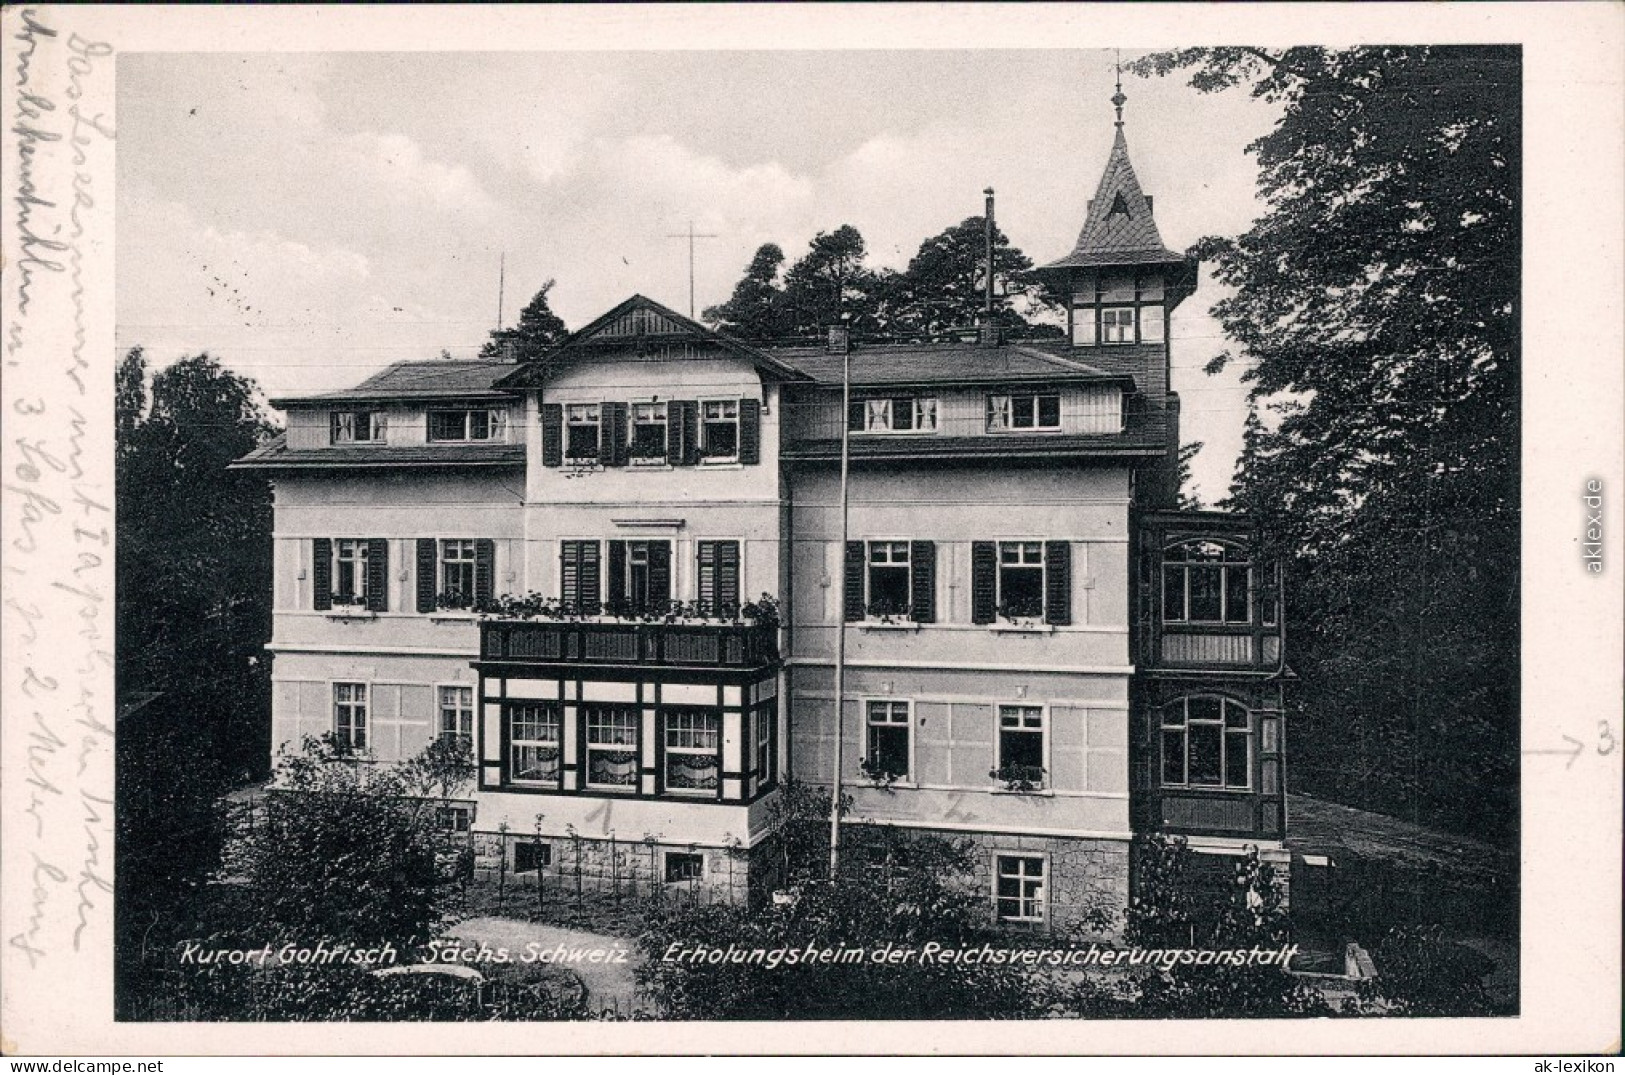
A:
(705, 423)
(893, 706)
(1000, 763)
(764, 748)
(601, 562)
(1224, 566)
(1010, 407)
(1000, 603)
(440, 708)
(869, 564)
(1041, 897)
(585, 713)
(667, 750)
(444, 562)
(633, 422)
(357, 594)
(1245, 732)
(512, 742)
(698, 856)
(1122, 339)
(919, 407)
(496, 425)
(583, 416)
(358, 710)
(337, 426)
(624, 588)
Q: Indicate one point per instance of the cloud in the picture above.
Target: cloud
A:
(398, 165)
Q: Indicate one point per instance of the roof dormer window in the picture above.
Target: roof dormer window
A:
(355, 427)
(462, 424)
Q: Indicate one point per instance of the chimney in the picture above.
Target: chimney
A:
(840, 340)
(988, 334)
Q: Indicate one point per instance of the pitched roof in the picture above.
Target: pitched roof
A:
(903, 364)
(276, 455)
(640, 318)
(1119, 229)
(438, 378)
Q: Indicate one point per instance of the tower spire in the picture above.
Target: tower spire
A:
(1118, 99)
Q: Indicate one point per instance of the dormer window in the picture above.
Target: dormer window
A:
(581, 432)
(468, 424)
(1023, 413)
(898, 414)
(356, 427)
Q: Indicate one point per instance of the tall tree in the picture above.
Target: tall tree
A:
(831, 285)
(538, 330)
(1375, 308)
(756, 310)
(943, 287)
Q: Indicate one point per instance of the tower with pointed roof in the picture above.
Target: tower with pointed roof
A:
(1120, 285)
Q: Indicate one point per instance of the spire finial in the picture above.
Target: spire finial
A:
(1118, 99)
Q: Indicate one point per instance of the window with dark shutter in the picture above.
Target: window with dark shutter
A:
(578, 576)
(619, 596)
(750, 431)
(674, 434)
(659, 575)
(718, 575)
(1057, 583)
(377, 575)
(485, 563)
(984, 581)
(427, 565)
(552, 435)
(922, 606)
(852, 589)
(321, 573)
(614, 450)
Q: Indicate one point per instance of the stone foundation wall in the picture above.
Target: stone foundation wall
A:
(1086, 879)
(569, 864)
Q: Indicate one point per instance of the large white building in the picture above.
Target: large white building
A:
(1041, 655)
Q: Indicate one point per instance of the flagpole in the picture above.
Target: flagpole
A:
(840, 619)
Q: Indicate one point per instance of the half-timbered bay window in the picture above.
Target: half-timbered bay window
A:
(612, 746)
(534, 750)
(1029, 413)
(457, 714)
(1206, 743)
(468, 423)
(578, 577)
(639, 575)
(649, 434)
(718, 576)
(355, 427)
(1019, 896)
(1206, 582)
(897, 414)
(719, 429)
(350, 715)
(764, 723)
(582, 432)
(693, 747)
(888, 746)
(1021, 745)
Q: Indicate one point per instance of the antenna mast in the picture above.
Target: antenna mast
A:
(502, 281)
(691, 235)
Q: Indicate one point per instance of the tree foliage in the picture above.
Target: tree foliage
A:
(1374, 306)
(755, 310)
(944, 286)
(538, 330)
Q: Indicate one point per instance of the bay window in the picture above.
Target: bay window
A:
(1206, 582)
(534, 743)
(612, 747)
(1206, 743)
(693, 744)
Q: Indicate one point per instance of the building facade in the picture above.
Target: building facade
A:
(1041, 654)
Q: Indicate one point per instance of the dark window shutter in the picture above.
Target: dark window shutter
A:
(728, 574)
(591, 605)
(617, 574)
(612, 434)
(984, 581)
(428, 569)
(377, 575)
(688, 410)
(485, 570)
(674, 434)
(659, 575)
(922, 557)
(321, 572)
(570, 575)
(852, 587)
(552, 435)
(1057, 583)
(750, 431)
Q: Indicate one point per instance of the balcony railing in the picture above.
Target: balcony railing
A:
(689, 645)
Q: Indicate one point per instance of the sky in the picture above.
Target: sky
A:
(310, 218)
